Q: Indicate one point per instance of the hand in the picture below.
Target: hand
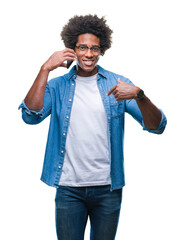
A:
(123, 91)
(58, 58)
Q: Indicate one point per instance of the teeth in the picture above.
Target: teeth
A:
(87, 62)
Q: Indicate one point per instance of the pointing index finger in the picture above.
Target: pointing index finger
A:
(111, 90)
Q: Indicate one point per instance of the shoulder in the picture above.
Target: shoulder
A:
(57, 81)
(112, 76)
(62, 80)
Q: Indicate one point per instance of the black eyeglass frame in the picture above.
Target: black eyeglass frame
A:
(91, 48)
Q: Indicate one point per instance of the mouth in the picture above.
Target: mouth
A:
(88, 63)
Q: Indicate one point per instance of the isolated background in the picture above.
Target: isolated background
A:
(148, 48)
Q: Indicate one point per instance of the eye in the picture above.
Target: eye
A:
(82, 48)
(95, 49)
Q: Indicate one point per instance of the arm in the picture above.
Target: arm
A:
(150, 113)
(34, 100)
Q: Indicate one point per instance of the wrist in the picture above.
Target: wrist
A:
(45, 68)
(139, 94)
(137, 89)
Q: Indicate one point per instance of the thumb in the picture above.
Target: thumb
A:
(119, 81)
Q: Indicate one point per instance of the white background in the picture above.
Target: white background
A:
(148, 48)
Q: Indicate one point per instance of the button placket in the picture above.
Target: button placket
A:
(64, 133)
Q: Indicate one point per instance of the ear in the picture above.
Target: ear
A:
(101, 52)
(98, 58)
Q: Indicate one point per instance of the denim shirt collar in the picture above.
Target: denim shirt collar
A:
(101, 72)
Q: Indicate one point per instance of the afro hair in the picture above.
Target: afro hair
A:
(87, 24)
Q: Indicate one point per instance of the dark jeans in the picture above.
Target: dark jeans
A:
(75, 204)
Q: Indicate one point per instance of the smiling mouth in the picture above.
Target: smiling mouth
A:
(88, 62)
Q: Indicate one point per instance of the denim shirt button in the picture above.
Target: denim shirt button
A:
(67, 116)
(64, 134)
(70, 100)
(59, 166)
(62, 151)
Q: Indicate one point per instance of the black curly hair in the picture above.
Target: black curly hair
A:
(87, 24)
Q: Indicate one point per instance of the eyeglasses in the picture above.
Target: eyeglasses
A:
(84, 48)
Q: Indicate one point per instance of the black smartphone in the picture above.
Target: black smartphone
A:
(69, 62)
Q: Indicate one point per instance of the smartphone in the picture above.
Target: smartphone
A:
(69, 62)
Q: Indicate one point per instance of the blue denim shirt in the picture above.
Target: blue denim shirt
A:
(58, 101)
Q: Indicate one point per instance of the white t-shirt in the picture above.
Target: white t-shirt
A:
(86, 161)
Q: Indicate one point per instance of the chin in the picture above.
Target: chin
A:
(87, 69)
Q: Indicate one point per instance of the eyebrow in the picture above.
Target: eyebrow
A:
(87, 46)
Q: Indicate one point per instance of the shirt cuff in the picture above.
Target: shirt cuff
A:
(161, 126)
(30, 112)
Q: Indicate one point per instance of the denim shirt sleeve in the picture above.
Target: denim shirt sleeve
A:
(33, 116)
(133, 109)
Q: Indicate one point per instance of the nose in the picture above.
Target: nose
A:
(89, 53)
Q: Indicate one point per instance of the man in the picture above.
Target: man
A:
(84, 153)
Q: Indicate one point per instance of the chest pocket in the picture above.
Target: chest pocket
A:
(117, 109)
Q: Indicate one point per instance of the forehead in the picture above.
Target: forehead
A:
(88, 39)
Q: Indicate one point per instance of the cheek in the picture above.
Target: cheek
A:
(98, 57)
